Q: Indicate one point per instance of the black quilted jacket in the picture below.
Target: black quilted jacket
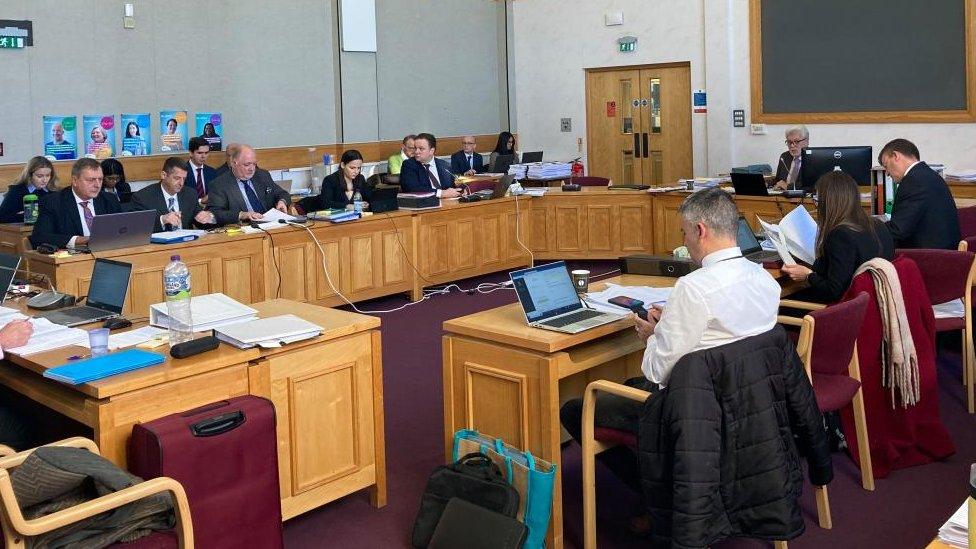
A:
(719, 446)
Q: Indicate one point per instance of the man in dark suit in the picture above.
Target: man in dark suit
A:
(425, 173)
(467, 161)
(788, 165)
(245, 192)
(199, 174)
(177, 205)
(924, 213)
(230, 150)
(64, 217)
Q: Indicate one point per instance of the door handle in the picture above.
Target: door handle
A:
(637, 151)
(645, 144)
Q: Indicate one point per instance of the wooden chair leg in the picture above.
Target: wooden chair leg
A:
(779, 545)
(863, 443)
(823, 507)
(589, 470)
(968, 359)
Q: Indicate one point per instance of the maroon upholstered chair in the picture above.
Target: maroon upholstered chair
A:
(948, 275)
(476, 186)
(967, 243)
(967, 221)
(590, 181)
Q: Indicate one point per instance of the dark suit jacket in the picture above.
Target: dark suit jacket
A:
(220, 170)
(225, 200)
(151, 198)
(12, 207)
(414, 178)
(924, 213)
(123, 192)
(459, 163)
(844, 250)
(209, 174)
(783, 166)
(333, 194)
(58, 219)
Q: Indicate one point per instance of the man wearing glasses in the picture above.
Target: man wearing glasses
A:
(788, 166)
(467, 161)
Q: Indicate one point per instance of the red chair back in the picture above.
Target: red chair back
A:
(967, 221)
(945, 272)
(970, 242)
(834, 333)
(476, 186)
(590, 181)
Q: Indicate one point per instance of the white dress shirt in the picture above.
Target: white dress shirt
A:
(728, 299)
(176, 207)
(85, 231)
(197, 174)
(436, 183)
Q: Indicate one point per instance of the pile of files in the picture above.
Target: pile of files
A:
(955, 532)
(267, 332)
(206, 312)
(700, 183)
(550, 170)
(967, 175)
(518, 170)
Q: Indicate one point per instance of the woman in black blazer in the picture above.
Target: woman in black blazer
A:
(339, 188)
(38, 178)
(848, 237)
(113, 180)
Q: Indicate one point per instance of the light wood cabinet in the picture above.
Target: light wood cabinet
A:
(591, 224)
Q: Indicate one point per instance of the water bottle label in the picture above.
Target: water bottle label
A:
(176, 286)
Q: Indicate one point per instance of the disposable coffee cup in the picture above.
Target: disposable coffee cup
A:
(581, 280)
(98, 340)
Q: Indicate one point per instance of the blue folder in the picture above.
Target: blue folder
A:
(91, 369)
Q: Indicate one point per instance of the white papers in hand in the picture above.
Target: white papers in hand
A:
(796, 235)
(600, 301)
(270, 221)
(774, 236)
(48, 335)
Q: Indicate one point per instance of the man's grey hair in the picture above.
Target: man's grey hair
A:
(801, 129)
(714, 208)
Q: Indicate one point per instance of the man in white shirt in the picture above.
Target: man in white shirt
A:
(65, 217)
(729, 298)
(467, 161)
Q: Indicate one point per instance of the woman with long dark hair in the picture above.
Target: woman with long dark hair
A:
(504, 146)
(339, 188)
(847, 238)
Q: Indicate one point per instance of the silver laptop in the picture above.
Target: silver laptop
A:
(106, 295)
(549, 300)
(9, 263)
(121, 230)
(749, 244)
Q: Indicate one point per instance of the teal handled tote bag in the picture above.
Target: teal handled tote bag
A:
(531, 476)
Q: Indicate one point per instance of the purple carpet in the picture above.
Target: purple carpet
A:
(905, 510)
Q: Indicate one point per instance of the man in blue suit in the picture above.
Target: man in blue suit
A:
(425, 173)
(467, 161)
(199, 174)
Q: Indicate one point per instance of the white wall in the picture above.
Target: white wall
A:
(711, 34)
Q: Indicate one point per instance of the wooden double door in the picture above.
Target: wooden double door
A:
(638, 123)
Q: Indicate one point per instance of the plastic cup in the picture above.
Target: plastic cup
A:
(98, 340)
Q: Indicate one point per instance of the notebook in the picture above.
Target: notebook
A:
(268, 332)
(84, 371)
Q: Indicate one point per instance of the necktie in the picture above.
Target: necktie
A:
(172, 208)
(434, 182)
(88, 213)
(201, 191)
(252, 198)
(471, 161)
(794, 172)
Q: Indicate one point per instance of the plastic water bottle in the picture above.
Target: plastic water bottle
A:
(357, 202)
(30, 209)
(176, 283)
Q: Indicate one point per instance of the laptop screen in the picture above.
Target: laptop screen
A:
(545, 291)
(746, 239)
(109, 284)
(8, 269)
(529, 157)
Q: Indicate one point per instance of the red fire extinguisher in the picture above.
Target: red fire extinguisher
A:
(577, 169)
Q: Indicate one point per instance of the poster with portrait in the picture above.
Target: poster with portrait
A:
(60, 137)
(99, 133)
(210, 126)
(175, 134)
(136, 134)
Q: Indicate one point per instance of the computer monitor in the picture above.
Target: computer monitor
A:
(855, 161)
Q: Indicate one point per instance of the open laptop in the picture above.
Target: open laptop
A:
(9, 263)
(749, 184)
(749, 244)
(106, 294)
(502, 163)
(121, 230)
(529, 157)
(549, 300)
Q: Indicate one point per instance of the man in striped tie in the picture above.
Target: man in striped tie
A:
(65, 217)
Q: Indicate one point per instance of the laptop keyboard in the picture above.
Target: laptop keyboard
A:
(83, 312)
(572, 318)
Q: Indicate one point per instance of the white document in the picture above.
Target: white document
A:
(207, 312)
(600, 301)
(955, 531)
(130, 338)
(48, 335)
(795, 235)
(774, 236)
(179, 234)
(268, 332)
(270, 221)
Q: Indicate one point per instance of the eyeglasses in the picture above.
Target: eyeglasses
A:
(467, 142)
(795, 142)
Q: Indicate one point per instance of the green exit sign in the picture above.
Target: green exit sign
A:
(627, 44)
(12, 42)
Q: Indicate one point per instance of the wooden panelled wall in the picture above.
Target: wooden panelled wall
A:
(142, 168)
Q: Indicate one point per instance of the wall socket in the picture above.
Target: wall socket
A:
(565, 124)
(757, 129)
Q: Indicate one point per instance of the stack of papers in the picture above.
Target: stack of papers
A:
(268, 332)
(795, 235)
(600, 301)
(83, 371)
(955, 531)
(207, 312)
(666, 189)
(518, 170)
(271, 218)
(181, 235)
(47, 335)
(967, 175)
(549, 170)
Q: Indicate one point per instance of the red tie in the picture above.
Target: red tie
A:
(434, 183)
(201, 191)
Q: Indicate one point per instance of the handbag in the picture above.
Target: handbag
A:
(532, 477)
(471, 526)
(474, 478)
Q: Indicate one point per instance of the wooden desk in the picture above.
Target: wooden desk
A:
(13, 237)
(327, 391)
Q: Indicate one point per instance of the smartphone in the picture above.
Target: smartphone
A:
(635, 305)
